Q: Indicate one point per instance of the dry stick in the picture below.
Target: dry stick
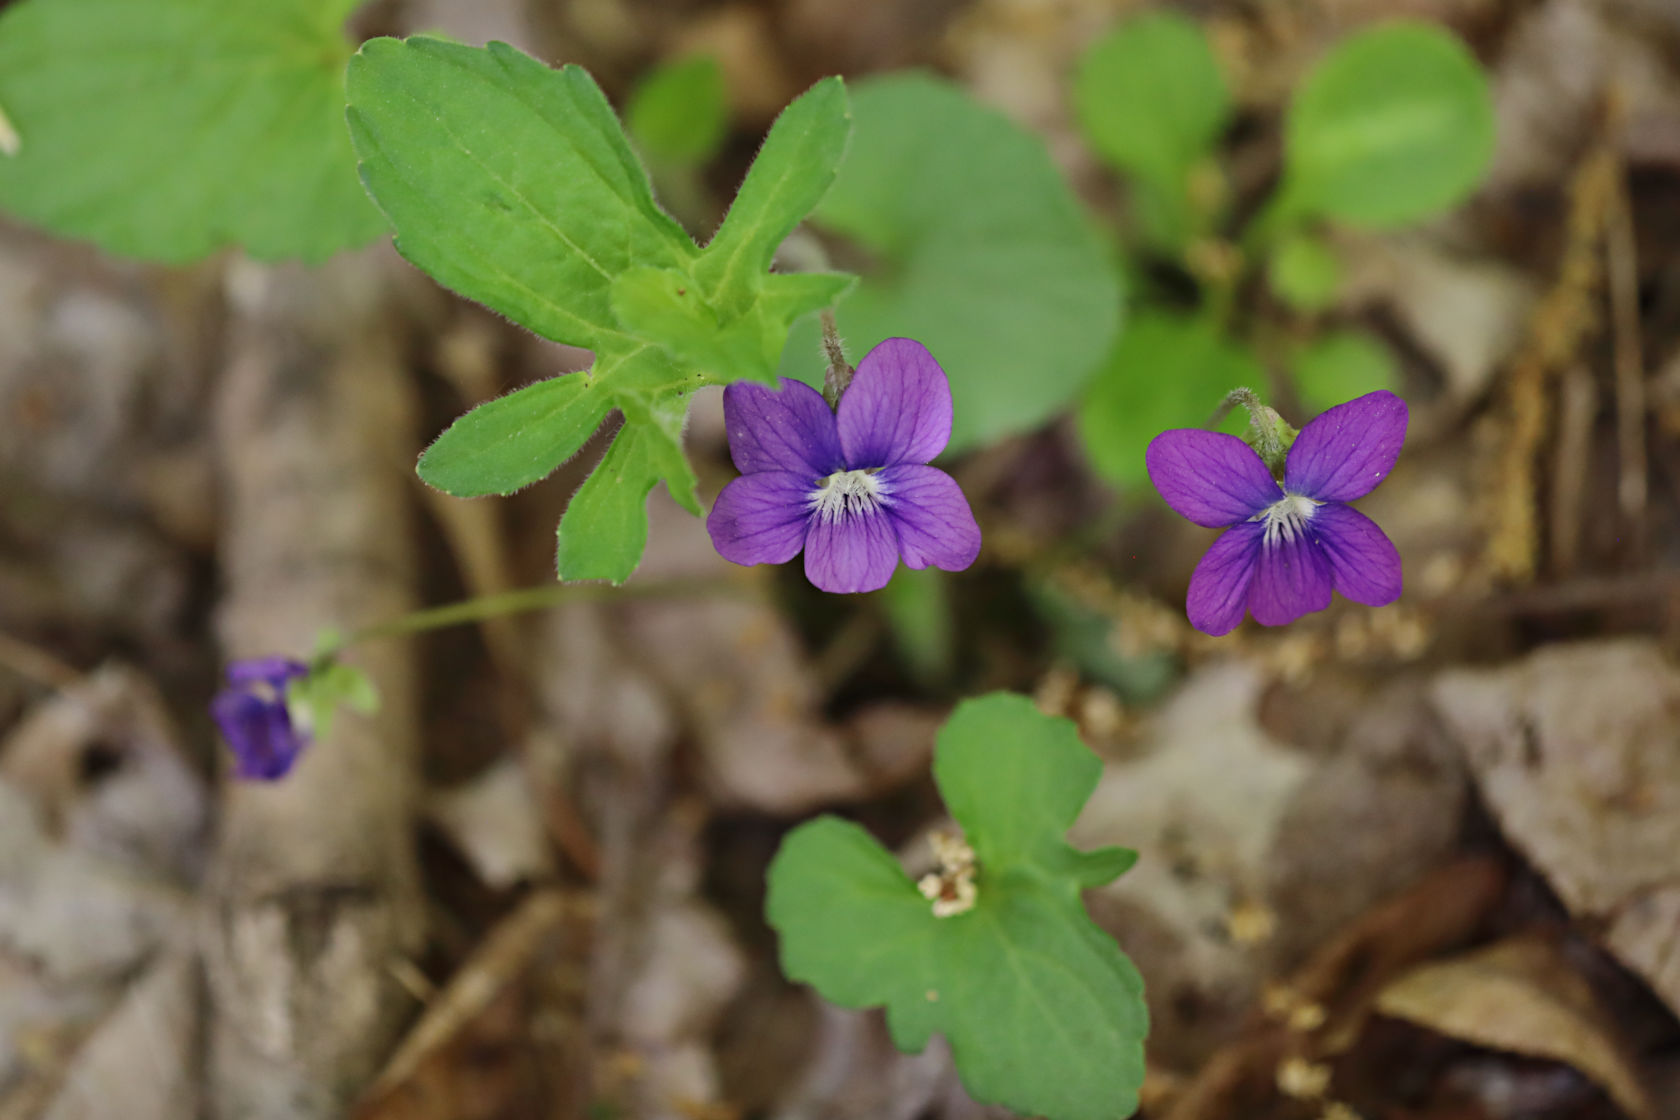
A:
(1632, 486)
(466, 355)
(34, 663)
(1556, 330)
(314, 890)
(1577, 410)
(539, 949)
(1647, 588)
(1343, 979)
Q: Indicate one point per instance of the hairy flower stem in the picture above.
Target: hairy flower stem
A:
(1268, 433)
(530, 599)
(840, 371)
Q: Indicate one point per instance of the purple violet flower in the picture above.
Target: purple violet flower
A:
(1284, 549)
(850, 486)
(253, 717)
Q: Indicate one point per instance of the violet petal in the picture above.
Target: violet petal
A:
(897, 409)
(787, 430)
(1345, 451)
(1291, 579)
(260, 733)
(275, 671)
(1219, 586)
(931, 515)
(853, 552)
(761, 518)
(1211, 478)
(1363, 561)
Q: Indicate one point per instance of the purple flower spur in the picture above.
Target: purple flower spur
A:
(1285, 548)
(253, 717)
(850, 486)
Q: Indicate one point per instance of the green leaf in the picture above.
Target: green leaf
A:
(514, 185)
(1014, 779)
(1044, 1014)
(1304, 272)
(508, 443)
(787, 296)
(1151, 98)
(604, 529)
(1394, 125)
(793, 171)
(678, 113)
(667, 307)
(507, 182)
(314, 700)
(981, 252)
(1168, 371)
(168, 129)
(666, 303)
(1341, 365)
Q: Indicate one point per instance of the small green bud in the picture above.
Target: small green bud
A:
(1268, 433)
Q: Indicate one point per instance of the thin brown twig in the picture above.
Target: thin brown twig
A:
(1593, 593)
(1622, 263)
(1577, 409)
(1342, 980)
(570, 833)
(846, 652)
(34, 663)
(1558, 326)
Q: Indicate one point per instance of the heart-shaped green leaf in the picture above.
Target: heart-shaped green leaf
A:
(1152, 100)
(1392, 126)
(981, 252)
(1340, 365)
(1167, 371)
(1043, 1012)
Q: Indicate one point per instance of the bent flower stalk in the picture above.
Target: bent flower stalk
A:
(1286, 547)
(850, 487)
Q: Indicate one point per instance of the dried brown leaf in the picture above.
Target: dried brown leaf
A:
(1522, 996)
(1574, 751)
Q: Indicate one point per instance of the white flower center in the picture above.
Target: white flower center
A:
(845, 493)
(1286, 518)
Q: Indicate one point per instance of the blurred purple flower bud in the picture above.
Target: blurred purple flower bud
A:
(253, 717)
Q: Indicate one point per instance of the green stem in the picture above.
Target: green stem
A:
(531, 599)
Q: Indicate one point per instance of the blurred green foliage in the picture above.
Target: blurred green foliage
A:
(1341, 364)
(1170, 369)
(678, 114)
(168, 129)
(1153, 103)
(977, 248)
(1391, 126)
